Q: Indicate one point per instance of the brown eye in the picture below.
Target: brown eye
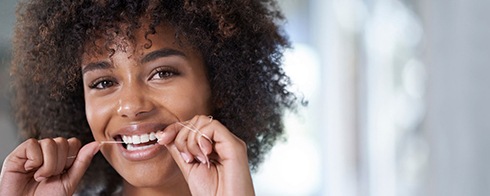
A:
(101, 84)
(163, 73)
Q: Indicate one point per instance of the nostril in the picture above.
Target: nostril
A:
(133, 106)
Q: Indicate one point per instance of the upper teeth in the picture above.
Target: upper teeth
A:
(138, 139)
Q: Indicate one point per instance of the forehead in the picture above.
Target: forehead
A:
(136, 43)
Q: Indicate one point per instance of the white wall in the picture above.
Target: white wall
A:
(458, 96)
(8, 138)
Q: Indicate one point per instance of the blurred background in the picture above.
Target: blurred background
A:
(397, 93)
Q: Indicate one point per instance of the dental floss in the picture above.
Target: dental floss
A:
(196, 131)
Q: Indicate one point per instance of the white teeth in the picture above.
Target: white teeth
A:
(153, 136)
(127, 139)
(144, 138)
(133, 148)
(138, 139)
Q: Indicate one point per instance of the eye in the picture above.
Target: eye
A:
(102, 83)
(162, 73)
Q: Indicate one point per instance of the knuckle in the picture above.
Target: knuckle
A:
(241, 144)
(74, 142)
(192, 147)
(31, 142)
(48, 142)
(195, 118)
(61, 141)
(180, 144)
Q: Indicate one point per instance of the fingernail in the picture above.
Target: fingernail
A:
(28, 168)
(186, 157)
(200, 145)
(39, 178)
(201, 159)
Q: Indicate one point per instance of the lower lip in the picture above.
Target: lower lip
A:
(141, 155)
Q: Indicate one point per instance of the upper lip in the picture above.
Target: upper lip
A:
(138, 129)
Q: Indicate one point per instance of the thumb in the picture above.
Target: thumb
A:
(80, 165)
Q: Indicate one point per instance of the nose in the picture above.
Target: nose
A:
(133, 103)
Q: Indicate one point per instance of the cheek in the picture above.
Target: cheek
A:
(203, 97)
(92, 118)
(183, 102)
(97, 117)
(196, 101)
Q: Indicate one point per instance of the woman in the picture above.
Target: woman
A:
(179, 96)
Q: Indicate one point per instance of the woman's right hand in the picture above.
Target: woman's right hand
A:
(46, 167)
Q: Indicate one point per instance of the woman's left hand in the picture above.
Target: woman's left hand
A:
(212, 159)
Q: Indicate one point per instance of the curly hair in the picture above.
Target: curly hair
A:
(241, 42)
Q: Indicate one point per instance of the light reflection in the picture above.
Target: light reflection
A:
(294, 167)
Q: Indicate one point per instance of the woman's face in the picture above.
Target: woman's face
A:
(138, 91)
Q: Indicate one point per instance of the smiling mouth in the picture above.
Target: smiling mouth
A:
(138, 142)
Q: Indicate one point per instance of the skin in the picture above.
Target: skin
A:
(136, 90)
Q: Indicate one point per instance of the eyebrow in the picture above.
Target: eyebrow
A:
(96, 65)
(164, 52)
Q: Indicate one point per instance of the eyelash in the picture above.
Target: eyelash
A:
(168, 71)
(106, 82)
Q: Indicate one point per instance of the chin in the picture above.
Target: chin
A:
(158, 171)
(145, 177)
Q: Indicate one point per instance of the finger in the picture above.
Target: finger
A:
(205, 145)
(62, 154)
(196, 142)
(201, 121)
(226, 144)
(80, 165)
(200, 149)
(50, 159)
(17, 167)
(193, 146)
(167, 138)
(168, 135)
(74, 146)
(178, 135)
(180, 143)
(32, 151)
(204, 141)
(24, 158)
